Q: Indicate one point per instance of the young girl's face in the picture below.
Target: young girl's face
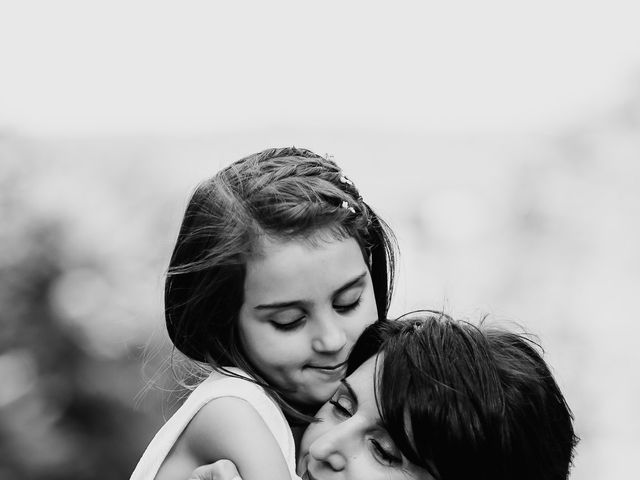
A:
(305, 304)
(349, 441)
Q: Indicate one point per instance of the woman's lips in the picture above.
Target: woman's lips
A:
(307, 476)
(303, 468)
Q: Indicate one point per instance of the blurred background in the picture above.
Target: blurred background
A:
(501, 141)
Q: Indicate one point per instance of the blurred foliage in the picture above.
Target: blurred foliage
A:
(66, 407)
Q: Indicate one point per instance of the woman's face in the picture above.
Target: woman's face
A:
(305, 305)
(349, 442)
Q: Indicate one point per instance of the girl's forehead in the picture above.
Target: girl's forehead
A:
(296, 269)
(321, 247)
(314, 239)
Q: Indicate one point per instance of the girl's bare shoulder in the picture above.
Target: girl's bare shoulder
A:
(227, 428)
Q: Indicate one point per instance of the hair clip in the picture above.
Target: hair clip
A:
(344, 179)
(346, 205)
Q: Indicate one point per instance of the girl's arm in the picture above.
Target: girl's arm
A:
(221, 470)
(228, 428)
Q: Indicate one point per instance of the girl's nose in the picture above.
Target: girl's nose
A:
(329, 336)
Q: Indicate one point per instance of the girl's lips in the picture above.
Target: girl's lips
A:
(303, 464)
(328, 367)
(329, 373)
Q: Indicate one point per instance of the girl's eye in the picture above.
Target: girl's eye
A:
(347, 307)
(292, 325)
(342, 406)
(385, 455)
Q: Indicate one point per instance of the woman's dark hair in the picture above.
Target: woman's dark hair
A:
(278, 193)
(465, 401)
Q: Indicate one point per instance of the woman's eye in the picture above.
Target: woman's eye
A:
(347, 307)
(342, 406)
(385, 454)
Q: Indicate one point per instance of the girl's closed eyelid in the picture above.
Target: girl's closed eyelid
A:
(349, 298)
(350, 293)
(349, 307)
(286, 316)
(287, 326)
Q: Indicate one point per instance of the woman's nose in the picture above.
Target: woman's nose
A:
(329, 450)
(329, 335)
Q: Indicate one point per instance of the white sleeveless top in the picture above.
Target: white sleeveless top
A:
(215, 386)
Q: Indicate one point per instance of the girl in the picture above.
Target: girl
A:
(428, 397)
(278, 267)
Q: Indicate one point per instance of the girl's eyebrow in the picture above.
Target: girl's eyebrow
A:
(350, 283)
(296, 303)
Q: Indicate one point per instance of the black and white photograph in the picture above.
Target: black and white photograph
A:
(296, 240)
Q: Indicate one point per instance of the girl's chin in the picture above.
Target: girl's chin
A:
(313, 400)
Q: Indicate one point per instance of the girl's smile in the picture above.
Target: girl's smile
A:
(305, 304)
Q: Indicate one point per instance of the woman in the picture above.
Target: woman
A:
(428, 397)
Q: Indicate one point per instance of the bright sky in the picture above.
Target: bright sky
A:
(69, 67)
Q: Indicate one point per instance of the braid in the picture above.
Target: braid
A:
(292, 191)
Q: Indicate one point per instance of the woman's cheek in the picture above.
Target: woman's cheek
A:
(324, 422)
